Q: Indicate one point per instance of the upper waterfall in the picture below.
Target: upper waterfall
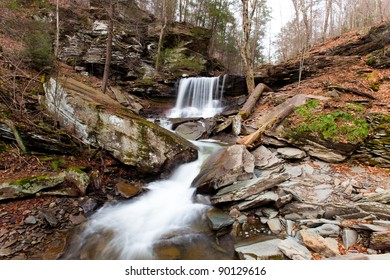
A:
(198, 97)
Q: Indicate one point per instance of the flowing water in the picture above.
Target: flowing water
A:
(165, 222)
(168, 221)
(198, 97)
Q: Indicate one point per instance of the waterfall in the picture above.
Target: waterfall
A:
(165, 214)
(198, 97)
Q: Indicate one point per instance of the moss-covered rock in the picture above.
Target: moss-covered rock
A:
(98, 120)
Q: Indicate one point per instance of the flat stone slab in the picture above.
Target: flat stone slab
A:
(291, 153)
(266, 250)
(218, 219)
(294, 250)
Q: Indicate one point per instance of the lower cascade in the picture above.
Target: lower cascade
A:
(198, 97)
(148, 226)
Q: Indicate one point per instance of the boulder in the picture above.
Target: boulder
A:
(98, 120)
(191, 130)
(259, 200)
(218, 219)
(225, 167)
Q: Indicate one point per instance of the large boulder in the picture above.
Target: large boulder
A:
(225, 167)
(97, 120)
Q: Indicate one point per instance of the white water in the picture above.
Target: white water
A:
(198, 97)
(134, 227)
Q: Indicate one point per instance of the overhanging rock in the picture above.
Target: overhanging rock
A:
(100, 121)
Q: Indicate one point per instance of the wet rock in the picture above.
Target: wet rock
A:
(266, 250)
(218, 219)
(264, 158)
(89, 206)
(294, 250)
(49, 217)
(224, 168)
(98, 120)
(191, 130)
(291, 153)
(76, 219)
(127, 190)
(327, 247)
(244, 190)
(350, 237)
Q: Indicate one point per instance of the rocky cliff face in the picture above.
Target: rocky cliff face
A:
(136, 34)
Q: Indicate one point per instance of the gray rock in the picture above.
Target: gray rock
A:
(191, 130)
(382, 223)
(307, 170)
(383, 197)
(257, 201)
(297, 210)
(77, 178)
(274, 225)
(218, 219)
(293, 171)
(321, 152)
(29, 186)
(291, 153)
(370, 227)
(266, 250)
(327, 230)
(322, 192)
(4, 252)
(224, 168)
(283, 200)
(350, 237)
(379, 257)
(81, 110)
(244, 190)
(270, 213)
(294, 250)
(30, 220)
(264, 158)
(289, 227)
(49, 217)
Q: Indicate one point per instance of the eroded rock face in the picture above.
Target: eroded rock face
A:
(97, 120)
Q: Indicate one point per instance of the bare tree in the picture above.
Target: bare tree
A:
(161, 37)
(110, 31)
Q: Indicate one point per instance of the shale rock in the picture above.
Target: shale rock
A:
(224, 168)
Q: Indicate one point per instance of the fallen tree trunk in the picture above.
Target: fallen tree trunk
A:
(351, 90)
(250, 103)
(276, 115)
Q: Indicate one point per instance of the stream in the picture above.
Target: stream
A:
(169, 220)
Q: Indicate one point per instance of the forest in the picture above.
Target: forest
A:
(191, 130)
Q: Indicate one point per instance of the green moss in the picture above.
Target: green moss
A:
(175, 59)
(355, 107)
(371, 61)
(338, 125)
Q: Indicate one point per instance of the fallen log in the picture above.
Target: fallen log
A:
(275, 116)
(250, 103)
(351, 90)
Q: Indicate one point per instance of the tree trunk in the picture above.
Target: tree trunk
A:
(162, 31)
(110, 32)
(276, 115)
(57, 41)
(250, 103)
(326, 21)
